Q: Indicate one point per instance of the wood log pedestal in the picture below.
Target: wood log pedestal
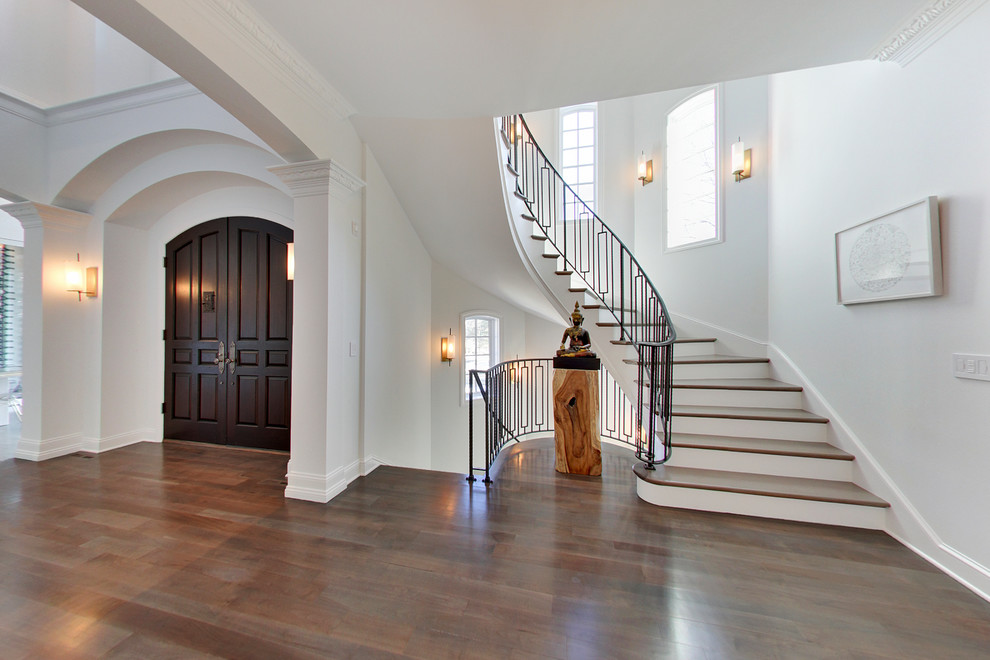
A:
(578, 447)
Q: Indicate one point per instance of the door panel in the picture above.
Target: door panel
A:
(228, 303)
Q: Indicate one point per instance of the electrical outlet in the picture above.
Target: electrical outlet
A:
(965, 365)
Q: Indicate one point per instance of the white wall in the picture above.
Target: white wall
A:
(852, 142)
(522, 335)
(23, 162)
(397, 330)
(722, 285)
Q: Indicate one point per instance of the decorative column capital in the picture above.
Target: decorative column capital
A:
(318, 177)
(32, 215)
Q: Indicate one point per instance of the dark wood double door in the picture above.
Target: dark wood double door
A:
(228, 334)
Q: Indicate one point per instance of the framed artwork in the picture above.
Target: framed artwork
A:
(894, 256)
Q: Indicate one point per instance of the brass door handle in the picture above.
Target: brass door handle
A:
(219, 359)
(232, 360)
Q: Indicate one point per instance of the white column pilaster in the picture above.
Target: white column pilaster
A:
(55, 329)
(325, 329)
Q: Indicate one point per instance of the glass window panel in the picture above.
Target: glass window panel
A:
(586, 156)
(483, 328)
(570, 121)
(569, 140)
(586, 137)
(569, 158)
(586, 174)
(586, 119)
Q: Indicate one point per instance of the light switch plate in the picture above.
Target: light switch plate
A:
(966, 365)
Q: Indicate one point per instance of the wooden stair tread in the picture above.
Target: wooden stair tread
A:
(537, 237)
(551, 256)
(720, 359)
(756, 384)
(528, 216)
(770, 446)
(563, 272)
(713, 359)
(820, 490)
(763, 414)
(695, 340)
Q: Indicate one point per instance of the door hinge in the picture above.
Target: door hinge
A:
(164, 262)
(164, 334)
(163, 407)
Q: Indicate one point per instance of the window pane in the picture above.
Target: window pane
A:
(692, 169)
(569, 140)
(586, 137)
(586, 175)
(569, 122)
(586, 119)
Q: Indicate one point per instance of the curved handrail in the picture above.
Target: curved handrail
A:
(593, 252)
(518, 396)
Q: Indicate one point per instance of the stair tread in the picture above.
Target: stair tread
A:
(695, 340)
(720, 359)
(537, 237)
(763, 414)
(799, 448)
(842, 492)
(761, 384)
(563, 272)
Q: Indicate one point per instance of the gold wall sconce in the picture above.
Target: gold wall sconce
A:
(644, 170)
(447, 347)
(742, 161)
(290, 261)
(79, 283)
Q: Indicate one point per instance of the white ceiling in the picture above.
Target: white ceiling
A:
(463, 58)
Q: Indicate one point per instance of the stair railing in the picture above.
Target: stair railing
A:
(592, 251)
(518, 399)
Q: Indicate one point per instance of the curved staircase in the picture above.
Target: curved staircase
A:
(740, 441)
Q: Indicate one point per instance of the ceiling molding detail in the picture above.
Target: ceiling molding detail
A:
(33, 214)
(318, 177)
(98, 106)
(924, 30)
(256, 37)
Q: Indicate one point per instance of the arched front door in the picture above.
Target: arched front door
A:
(228, 334)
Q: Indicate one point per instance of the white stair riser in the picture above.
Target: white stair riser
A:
(750, 428)
(753, 463)
(783, 508)
(687, 396)
(694, 348)
(722, 370)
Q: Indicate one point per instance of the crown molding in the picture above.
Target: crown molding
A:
(33, 214)
(318, 177)
(923, 30)
(98, 106)
(252, 34)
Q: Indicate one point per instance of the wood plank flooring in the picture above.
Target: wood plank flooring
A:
(185, 551)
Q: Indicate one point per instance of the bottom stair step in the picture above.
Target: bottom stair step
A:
(788, 498)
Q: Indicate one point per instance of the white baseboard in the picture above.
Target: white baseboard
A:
(42, 450)
(732, 342)
(111, 442)
(320, 487)
(904, 522)
(370, 464)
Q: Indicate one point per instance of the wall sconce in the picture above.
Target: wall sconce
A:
(75, 282)
(644, 172)
(447, 347)
(290, 261)
(742, 161)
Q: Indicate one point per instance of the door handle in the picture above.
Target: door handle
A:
(219, 359)
(232, 360)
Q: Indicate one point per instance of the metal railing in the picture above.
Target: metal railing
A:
(590, 251)
(518, 398)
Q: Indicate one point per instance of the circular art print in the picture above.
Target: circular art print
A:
(880, 257)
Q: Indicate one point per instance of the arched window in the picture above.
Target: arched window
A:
(579, 151)
(481, 347)
(692, 215)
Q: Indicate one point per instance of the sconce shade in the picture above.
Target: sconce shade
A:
(78, 283)
(644, 169)
(447, 348)
(290, 261)
(741, 161)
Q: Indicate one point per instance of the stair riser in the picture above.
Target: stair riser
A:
(781, 466)
(686, 396)
(694, 349)
(750, 428)
(722, 370)
(826, 513)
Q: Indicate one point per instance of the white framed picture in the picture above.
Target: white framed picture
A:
(897, 255)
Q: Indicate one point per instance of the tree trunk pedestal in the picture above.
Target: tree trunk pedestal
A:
(578, 447)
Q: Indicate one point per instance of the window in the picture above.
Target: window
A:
(481, 347)
(692, 181)
(579, 152)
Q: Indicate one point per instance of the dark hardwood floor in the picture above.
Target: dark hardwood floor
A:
(185, 551)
